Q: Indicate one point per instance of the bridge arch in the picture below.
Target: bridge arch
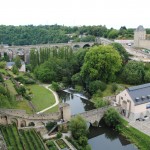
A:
(76, 46)
(4, 120)
(86, 46)
(23, 123)
(31, 124)
(14, 121)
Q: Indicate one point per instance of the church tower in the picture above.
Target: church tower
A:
(139, 34)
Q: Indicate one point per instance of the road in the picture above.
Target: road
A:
(56, 99)
(138, 55)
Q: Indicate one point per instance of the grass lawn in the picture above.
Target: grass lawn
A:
(54, 109)
(24, 105)
(42, 97)
(10, 86)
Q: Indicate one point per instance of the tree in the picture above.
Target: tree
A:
(78, 127)
(112, 118)
(133, 72)
(94, 86)
(2, 64)
(15, 69)
(18, 62)
(147, 76)
(100, 63)
(114, 87)
(113, 34)
(124, 55)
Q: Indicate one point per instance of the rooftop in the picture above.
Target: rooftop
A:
(140, 94)
(140, 28)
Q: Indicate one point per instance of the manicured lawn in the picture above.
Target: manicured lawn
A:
(42, 97)
(54, 109)
(10, 86)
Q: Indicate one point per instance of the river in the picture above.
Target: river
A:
(100, 138)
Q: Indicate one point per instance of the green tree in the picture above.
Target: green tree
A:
(2, 64)
(147, 76)
(112, 117)
(124, 55)
(17, 62)
(78, 127)
(113, 34)
(101, 63)
(15, 69)
(114, 87)
(133, 73)
(99, 102)
(94, 86)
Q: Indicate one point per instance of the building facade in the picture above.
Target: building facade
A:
(140, 40)
(135, 101)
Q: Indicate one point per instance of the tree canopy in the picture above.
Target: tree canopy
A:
(101, 63)
(133, 72)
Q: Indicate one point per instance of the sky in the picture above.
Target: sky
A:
(112, 13)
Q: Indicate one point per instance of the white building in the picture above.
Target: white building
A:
(135, 101)
(9, 66)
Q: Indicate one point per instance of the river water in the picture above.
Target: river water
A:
(100, 138)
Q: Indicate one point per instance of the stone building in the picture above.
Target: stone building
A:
(140, 40)
(135, 101)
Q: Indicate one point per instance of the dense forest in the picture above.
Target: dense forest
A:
(43, 34)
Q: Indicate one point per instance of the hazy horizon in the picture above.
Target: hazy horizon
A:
(75, 13)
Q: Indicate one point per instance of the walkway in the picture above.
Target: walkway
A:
(56, 99)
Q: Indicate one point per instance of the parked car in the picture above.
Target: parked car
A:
(146, 118)
(140, 119)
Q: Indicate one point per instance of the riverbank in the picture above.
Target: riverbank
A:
(141, 140)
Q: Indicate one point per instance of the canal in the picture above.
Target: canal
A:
(100, 138)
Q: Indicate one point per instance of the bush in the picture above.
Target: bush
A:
(50, 125)
(99, 102)
(59, 135)
(112, 118)
(114, 87)
(96, 85)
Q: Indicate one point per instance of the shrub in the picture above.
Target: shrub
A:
(114, 87)
(59, 135)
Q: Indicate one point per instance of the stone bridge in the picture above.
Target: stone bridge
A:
(93, 116)
(21, 119)
(38, 46)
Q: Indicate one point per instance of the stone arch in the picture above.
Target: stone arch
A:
(14, 121)
(76, 46)
(4, 120)
(86, 46)
(31, 124)
(23, 123)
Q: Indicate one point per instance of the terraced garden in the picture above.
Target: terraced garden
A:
(21, 140)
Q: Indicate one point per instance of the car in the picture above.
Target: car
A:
(140, 119)
(146, 118)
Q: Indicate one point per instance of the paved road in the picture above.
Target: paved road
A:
(138, 55)
(143, 126)
(56, 99)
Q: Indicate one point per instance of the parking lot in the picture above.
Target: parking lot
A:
(143, 126)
